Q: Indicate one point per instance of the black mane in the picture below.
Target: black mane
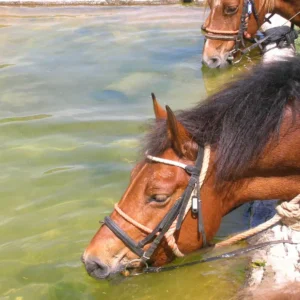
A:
(239, 120)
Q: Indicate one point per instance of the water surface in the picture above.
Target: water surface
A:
(75, 92)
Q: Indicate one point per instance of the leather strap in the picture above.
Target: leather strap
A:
(123, 236)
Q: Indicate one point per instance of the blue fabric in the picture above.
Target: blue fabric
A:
(259, 211)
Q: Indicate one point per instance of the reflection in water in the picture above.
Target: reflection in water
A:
(214, 79)
(74, 95)
(22, 119)
(5, 66)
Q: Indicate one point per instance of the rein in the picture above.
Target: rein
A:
(226, 255)
(287, 212)
(173, 220)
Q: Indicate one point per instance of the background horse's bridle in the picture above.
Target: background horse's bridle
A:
(174, 218)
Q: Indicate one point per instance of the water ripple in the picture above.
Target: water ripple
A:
(24, 119)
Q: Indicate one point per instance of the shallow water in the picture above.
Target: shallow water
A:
(75, 91)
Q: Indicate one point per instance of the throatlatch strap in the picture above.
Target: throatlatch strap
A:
(255, 13)
(194, 180)
(185, 201)
(200, 223)
(199, 164)
(240, 37)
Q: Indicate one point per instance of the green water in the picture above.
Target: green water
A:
(75, 91)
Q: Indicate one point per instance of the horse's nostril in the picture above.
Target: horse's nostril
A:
(215, 61)
(96, 268)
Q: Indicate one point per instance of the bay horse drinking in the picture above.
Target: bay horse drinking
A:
(253, 130)
(227, 25)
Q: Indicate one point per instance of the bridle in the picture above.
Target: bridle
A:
(235, 35)
(174, 218)
(172, 221)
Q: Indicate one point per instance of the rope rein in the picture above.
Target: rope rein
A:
(288, 212)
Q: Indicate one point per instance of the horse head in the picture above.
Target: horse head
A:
(226, 27)
(152, 195)
(252, 128)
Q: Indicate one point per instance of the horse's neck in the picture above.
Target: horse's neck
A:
(276, 175)
(288, 9)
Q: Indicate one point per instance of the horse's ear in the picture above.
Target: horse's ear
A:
(179, 136)
(159, 112)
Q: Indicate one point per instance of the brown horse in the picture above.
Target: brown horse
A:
(253, 129)
(223, 25)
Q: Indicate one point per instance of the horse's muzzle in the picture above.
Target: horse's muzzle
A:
(96, 268)
(216, 61)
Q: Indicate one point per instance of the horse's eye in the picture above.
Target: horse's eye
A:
(158, 198)
(230, 10)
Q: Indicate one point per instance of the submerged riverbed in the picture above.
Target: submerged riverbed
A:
(75, 92)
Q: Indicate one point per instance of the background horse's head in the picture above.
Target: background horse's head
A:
(228, 22)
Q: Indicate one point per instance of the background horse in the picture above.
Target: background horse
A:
(253, 129)
(226, 25)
